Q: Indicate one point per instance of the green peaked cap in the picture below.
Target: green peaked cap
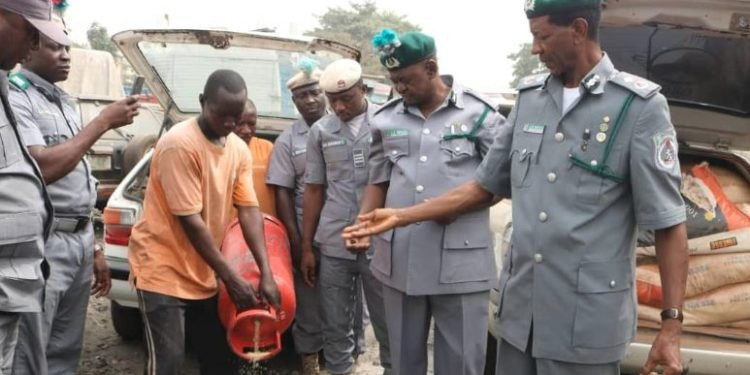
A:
(537, 8)
(399, 51)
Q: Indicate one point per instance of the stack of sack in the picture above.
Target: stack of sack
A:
(718, 223)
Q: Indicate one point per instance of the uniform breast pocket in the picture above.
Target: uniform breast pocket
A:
(524, 153)
(456, 150)
(11, 151)
(396, 147)
(592, 186)
(339, 164)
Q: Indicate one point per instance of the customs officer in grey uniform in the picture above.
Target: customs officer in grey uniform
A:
(286, 173)
(25, 209)
(51, 129)
(335, 176)
(425, 143)
(588, 155)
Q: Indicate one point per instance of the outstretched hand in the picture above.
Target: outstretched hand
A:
(370, 224)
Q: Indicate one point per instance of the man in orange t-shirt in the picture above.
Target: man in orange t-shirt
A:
(261, 150)
(200, 173)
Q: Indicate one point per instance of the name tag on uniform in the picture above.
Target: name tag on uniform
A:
(359, 158)
(397, 133)
(338, 142)
(299, 151)
(534, 128)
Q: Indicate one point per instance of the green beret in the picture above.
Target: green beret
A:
(397, 52)
(538, 8)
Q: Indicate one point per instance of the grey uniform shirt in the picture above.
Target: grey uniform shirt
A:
(419, 160)
(287, 165)
(570, 268)
(46, 118)
(337, 159)
(25, 217)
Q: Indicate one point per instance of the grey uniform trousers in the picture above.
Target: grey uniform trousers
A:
(58, 330)
(338, 289)
(308, 320)
(511, 361)
(8, 338)
(460, 331)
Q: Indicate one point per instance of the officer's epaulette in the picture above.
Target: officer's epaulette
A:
(640, 86)
(532, 82)
(389, 104)
(481, 98)
(19, 81)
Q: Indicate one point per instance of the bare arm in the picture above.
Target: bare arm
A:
(672, 257)
(251, 222)
(373, 197)
(288, 216)
(313, 204)
(59, 160)
(241, 292)
(465, 198)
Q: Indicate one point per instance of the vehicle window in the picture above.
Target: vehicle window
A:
(695, 67)
(184, 69)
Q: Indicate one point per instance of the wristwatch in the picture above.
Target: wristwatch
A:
(672, 314)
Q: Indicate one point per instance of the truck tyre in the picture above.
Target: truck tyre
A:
(127, 321)
(135, 149)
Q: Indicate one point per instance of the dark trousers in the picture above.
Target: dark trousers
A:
(165, 319)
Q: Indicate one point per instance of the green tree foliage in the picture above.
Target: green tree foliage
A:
(524, 64)
(356, 25)
(99, 38)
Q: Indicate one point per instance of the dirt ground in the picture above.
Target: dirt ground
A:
(105, 353)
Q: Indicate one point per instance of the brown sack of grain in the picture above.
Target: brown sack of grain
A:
(719, 243)
(722, 306)
(705, 273)
(735, 187)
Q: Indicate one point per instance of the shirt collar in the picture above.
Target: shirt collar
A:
(48, 89)
(594, 81)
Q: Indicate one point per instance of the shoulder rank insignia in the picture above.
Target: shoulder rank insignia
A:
(640, 86)
(532, 82)
(19, 81)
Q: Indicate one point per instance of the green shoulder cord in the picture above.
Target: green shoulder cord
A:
(603, 169)
(472, 134)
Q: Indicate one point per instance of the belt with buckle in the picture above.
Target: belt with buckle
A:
(70, 224)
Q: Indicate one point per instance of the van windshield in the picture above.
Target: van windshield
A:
(184, 69)
(694, 67)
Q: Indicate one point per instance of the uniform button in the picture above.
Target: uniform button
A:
(594, 163)
(466, 243)
(559, 137)
(458, 148)
(542, 216)
(551, 178)
(420, 188)
(538, 258)
(394, 152)
(426, 131)
(612, 284)
(523, 151)
(423, 158)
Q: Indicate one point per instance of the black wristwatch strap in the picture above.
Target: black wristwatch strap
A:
(672, 314)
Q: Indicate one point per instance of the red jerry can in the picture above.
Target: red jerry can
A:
(255, 334)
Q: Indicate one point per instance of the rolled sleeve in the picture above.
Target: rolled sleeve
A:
(281, 167)
(380, 166)
(493, 174)
(654, 177)
(315, 169)
(27, 126)
(179, 172)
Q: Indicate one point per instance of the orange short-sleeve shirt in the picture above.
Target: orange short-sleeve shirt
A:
(189, 175)
(261, 150)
